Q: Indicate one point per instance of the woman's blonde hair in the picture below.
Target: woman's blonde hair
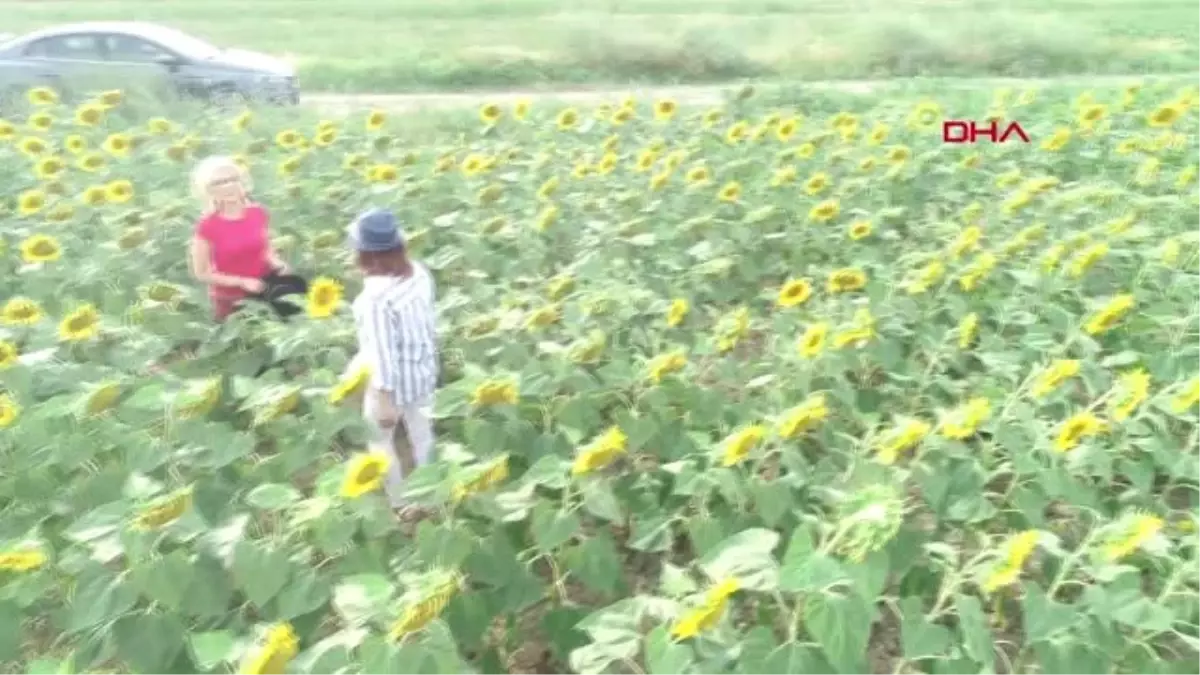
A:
(207, 169)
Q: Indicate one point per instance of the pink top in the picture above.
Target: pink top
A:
(238, 246)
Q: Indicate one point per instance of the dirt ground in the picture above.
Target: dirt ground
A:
(691, 95)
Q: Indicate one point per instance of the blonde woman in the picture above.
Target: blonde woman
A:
(231, 250)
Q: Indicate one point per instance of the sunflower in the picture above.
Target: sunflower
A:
(645, 161)
(375, 120)
(9, 410)
(812, 342)
(9, 354)
(730, 192)
(600, 452)
(542, 317)
(47, 168)
(164, 511)
(60, 213)
(495, 392)
(794, 292)
(42, 96)
(275, 403)
(20, 311)
(925, 115)
(93, 195)
(40, 248)
(383, 173)
(1078, 427)
(25, 559)
(90, 162)
(89, 114)
(1165, 115)
(159, 291)
(846, 280)
(111, 98)
(1109, 315)
(521, 109)
(102, 398)
(664, 364)
(665, 109)
(567, 119)
(364, 473)
(1091, 114)
(546, 217)
(738, 445)
(289, 166)
(898, 154)
(324, 297)
(81, 324)
(490, 194)
(859, 230)
(41, 121)
(7, 130)
(118, 191)
(786, 129)
(1057, 141)
(490, 113)
(677, 312)
(784, 175)
(704, 617)
(160, 126)
(32, 146)
(30, 202)
(904, 435)
(132, 237)
(352, 384)
(816, 183)
(356, 160)
(242, 121)
(75, 144)
(118, 145)
(274, 654)
(737, 132)
(825, 211)
(325, 137)
(288, 138)
(697, 175)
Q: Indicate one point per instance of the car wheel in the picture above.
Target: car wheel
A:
(228, 97)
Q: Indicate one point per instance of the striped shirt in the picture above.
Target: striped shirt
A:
(397, 335)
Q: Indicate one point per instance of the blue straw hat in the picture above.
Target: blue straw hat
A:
(375, 231)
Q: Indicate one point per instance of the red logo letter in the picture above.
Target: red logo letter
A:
(962, 137)
(989, 131)
(1014, 128)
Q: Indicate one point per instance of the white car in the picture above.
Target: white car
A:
(121, 55)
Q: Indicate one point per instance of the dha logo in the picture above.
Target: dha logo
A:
(968, 131)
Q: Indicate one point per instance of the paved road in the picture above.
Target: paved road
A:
(695, 95)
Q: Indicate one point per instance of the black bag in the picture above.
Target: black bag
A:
(280, 291)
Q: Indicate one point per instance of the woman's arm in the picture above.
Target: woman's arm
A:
(275, 261)
(200, 259)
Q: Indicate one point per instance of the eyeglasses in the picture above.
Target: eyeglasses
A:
(228, 180)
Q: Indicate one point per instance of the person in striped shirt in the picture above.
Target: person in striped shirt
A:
(397, 338)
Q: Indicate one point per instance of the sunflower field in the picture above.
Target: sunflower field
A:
(764, 388)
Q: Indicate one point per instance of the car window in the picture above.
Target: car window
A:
(133, 50)
(77, 47)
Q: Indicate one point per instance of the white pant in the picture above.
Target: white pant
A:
(416, 425)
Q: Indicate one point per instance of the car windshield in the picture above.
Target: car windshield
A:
(187, 45)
